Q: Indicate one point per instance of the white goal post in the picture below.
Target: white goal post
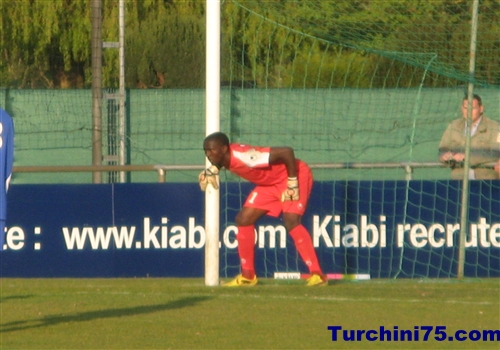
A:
(212, 113)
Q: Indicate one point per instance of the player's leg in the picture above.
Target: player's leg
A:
(303, 242)
(292, 216)
(245, 221)
(253, 209)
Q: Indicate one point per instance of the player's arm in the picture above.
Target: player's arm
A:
(209, 177)
(286, 156)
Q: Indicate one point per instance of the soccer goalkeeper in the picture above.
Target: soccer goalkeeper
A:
(283, 185)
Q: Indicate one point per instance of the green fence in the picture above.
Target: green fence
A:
(53, 127)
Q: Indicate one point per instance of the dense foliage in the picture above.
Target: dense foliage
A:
(48, 43)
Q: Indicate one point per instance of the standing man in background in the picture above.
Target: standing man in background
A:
(484, 144)
(283, 185)
(6, 162)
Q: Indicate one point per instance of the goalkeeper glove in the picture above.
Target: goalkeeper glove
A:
(292, 192)
(209, 177)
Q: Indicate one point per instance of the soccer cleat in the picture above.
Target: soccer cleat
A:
(241, 281)
(317, 280)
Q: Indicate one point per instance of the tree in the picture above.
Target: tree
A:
(44, 43)
(48, 43)
(307, 43)
(166, 51)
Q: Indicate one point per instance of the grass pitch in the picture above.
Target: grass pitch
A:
(185, 314)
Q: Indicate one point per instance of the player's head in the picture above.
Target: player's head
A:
(477, 107)
(216, 147)
(219, 137)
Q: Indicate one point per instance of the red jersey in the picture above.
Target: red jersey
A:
(252, 164)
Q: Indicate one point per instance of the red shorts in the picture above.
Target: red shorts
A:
(269, 197)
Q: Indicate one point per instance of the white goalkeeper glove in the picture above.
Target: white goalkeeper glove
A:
(209, 177)
(292, 192)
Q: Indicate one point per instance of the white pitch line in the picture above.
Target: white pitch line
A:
(367, 300)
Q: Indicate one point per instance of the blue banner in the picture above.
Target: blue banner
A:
(383, 228)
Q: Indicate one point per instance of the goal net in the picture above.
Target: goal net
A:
(363, 91)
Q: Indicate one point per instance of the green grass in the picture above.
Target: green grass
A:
(185, 314)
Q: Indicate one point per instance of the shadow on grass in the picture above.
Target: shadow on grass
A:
(2, 299)
(100, 314)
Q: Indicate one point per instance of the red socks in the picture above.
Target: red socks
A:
(246, 242)
(304, 245)
(301, 238)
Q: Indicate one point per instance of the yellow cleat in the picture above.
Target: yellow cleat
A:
(317, 280)
(241, 281)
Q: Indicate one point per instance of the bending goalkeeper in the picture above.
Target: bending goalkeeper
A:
(283, 185)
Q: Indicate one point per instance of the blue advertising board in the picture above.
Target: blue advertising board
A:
(383, 228)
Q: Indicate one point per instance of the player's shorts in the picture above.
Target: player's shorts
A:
(269, 197)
